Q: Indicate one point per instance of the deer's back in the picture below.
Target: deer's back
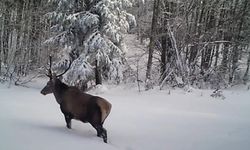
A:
(80, 104)
(76, 102)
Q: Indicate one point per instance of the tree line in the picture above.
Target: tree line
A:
(201, 43)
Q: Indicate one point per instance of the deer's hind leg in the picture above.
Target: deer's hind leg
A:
(96, 122)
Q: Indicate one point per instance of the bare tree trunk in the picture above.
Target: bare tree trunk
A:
(179, 61)
(163, 57)
(236, 48)
(166, 52)
(152, 43)
(98, 73)
(6, 31)
(1, 34)
(224, 62)
(198, 15)
(245, 78)
(216, 55)
(164, 46)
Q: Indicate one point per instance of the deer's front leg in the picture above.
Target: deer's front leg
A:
(68, 117)
(68, 120)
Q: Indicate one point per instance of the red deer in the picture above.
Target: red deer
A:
(78, 105)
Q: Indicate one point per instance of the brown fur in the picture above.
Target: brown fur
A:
(105, 107)
(81, 106)
(77, 102)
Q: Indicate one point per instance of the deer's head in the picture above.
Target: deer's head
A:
(53, 79)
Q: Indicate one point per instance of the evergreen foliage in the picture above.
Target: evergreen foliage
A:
(90, 32)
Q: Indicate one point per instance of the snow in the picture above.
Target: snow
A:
(152, 120)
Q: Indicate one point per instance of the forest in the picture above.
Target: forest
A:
(198, 43)
(124, 74)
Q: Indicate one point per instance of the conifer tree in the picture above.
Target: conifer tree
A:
(90, 34)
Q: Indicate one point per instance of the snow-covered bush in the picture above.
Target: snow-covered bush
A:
(218, 94)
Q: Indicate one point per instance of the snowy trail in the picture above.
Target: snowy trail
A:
(152, 120)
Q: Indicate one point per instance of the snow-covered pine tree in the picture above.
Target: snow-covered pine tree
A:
(89, 32)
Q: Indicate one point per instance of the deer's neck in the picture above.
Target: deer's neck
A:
(59, 91)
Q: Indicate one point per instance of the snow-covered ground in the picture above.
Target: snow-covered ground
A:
(152, 120)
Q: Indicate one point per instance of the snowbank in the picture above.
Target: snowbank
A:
(152, 120)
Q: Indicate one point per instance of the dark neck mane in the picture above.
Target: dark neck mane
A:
(59, 90)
